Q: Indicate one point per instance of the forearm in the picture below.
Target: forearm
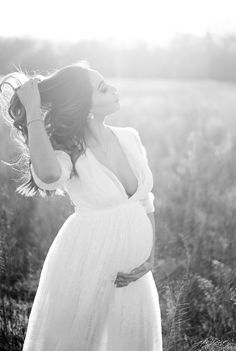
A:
(152, 219)
(41, 151)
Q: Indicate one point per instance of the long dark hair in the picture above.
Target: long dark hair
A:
(66, 98)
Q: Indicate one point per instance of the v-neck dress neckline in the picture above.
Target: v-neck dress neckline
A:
(126, 154)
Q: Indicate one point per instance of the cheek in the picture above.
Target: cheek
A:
(101, 101)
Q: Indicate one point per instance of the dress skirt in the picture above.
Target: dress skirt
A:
(77, 306)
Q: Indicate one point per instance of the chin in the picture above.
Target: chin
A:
(115, 107)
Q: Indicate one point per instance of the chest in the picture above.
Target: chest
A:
(116, 162)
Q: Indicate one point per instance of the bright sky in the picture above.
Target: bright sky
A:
(123, 21)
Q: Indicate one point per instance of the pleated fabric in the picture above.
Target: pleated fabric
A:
(77, 306)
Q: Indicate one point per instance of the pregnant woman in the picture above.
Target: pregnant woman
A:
(96, 290)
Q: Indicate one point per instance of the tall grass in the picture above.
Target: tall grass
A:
(188, 129)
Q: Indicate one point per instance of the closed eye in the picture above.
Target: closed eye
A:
(104, 90)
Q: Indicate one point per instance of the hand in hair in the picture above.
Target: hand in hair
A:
(29, 95)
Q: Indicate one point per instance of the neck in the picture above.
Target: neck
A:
(97, 132)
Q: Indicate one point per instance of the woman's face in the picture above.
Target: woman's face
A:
(104, 99)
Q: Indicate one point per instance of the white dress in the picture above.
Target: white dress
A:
(77, 306)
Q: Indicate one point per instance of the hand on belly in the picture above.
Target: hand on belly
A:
(123, 279)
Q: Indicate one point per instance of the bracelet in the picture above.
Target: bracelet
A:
(34, 120)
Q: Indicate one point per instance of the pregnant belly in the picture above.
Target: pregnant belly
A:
(120, 237)
(137, 238)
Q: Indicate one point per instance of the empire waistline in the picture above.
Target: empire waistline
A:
(127, 203)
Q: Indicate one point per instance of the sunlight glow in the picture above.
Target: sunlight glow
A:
(123, 21)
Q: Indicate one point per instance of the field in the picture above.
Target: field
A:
(188, 129)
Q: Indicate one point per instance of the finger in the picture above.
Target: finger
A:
(127, 279)
(130, 280)
(30, 82)
(124, 281)
(120, 285)
(121, 282)
(17, 89)
(122, 275)
(35, 81)
(121, 279)
(131, 275)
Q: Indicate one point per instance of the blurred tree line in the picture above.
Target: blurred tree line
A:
(186, 57)
(189, 131)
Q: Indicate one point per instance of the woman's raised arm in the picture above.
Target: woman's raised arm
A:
(43, 158)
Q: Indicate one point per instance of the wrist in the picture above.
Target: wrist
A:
(33, 113)
(151, 264)
(35, 120)
(151, 258)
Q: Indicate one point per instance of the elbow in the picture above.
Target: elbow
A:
(47, 178)
(50, 178)
(47, 175)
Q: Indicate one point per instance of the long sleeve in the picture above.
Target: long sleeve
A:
(66, 168)
(148, 201)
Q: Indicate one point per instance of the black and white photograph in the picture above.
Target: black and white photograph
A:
(118, 175)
